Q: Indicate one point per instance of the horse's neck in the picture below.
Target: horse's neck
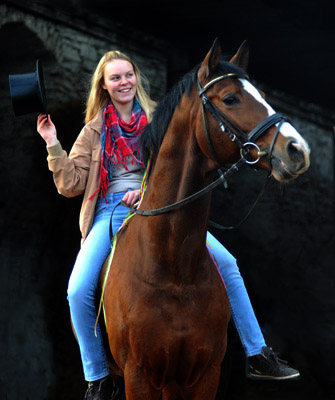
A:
(179, 171)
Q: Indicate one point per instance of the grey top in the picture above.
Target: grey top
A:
(123, 180)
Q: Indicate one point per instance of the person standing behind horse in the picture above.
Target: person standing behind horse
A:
(105, 165)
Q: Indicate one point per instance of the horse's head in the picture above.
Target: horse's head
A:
(237, 118)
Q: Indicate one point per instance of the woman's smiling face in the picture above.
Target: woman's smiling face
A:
(120, 81)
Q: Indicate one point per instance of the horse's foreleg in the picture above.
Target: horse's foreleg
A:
(205, 388)
(171, 392)
(136, 385)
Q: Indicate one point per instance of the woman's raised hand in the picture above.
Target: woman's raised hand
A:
(47, 129)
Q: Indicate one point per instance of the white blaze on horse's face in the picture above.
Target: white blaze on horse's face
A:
(295, 159)
(286, 129)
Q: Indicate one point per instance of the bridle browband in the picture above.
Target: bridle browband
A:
(244, 141)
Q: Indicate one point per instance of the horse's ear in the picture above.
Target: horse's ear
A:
(241, 58)
(262, 93)
(210, 62)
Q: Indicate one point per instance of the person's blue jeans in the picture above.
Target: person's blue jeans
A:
(84, 281)
(85, 276)
(242, 312)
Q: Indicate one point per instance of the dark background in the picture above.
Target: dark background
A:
(285, 250)
(291, 42)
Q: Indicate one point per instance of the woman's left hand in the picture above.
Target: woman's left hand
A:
(131, 197)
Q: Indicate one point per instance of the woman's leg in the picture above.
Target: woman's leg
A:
(242, 312)
(83, 284)
(262, 361)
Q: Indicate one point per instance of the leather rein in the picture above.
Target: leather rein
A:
(235, 134)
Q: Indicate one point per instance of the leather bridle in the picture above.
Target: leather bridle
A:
(244, 141)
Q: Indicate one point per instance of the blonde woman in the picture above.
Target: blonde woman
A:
(105, 165)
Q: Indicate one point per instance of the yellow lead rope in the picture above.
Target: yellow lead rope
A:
(101, 303)
(111, 254)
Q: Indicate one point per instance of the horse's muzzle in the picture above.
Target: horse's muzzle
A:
(292, 162)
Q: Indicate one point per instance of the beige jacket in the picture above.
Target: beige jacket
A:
(79, 172)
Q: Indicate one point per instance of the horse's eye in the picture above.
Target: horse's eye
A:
(230, 100)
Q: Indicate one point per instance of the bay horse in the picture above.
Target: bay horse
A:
(166, 306)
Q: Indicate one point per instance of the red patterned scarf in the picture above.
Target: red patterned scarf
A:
(119, 140)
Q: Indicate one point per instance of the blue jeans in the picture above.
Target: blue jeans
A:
(83, 284)
(85, 276)
(242, 312)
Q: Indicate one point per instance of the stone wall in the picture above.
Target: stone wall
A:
(40, 236)
(285, 249)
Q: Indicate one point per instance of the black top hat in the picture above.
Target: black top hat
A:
(27, 92)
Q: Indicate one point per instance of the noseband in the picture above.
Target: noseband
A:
(244, 141)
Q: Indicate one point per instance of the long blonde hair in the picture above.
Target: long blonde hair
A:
(98, 96)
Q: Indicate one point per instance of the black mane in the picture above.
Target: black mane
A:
(154, 132)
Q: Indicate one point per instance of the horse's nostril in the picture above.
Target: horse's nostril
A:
(295, 151)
